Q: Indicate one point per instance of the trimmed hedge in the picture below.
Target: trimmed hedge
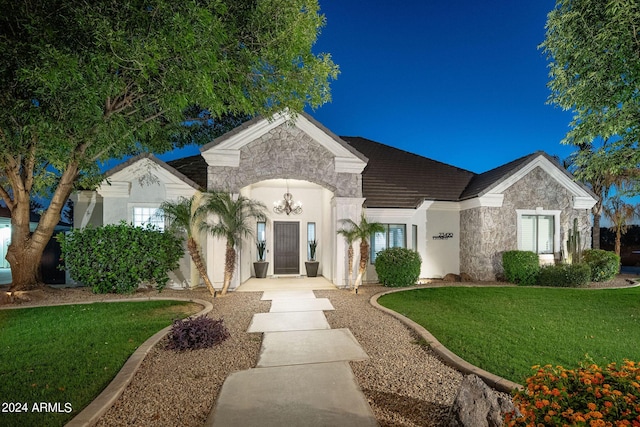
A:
(398, 267)
(118, 258)
(604, 264)
(564, 275)
(521, 267)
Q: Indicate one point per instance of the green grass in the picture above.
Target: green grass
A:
(69, 354)
(507, 330)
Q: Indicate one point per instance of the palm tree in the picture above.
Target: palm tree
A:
(595, 167)
(619, 213)
(233, 222)
(350, 237)
(362, 232)
(183, 217)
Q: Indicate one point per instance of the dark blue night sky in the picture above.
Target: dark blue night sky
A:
(459, 81)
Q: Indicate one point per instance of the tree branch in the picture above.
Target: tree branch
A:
(29, 165)
(131, 132)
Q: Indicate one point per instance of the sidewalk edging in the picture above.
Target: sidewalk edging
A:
(91, 413)
(447, 356)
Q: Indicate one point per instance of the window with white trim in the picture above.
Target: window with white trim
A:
(143, 216)
(393, 236)
(311, 237)
(538, 231)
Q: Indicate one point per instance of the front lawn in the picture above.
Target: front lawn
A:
(55, 360)
(507, 330)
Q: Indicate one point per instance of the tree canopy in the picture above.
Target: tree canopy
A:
(593, 48)
(82, 82)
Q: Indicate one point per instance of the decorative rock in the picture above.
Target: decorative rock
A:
(477, 405)
(452, 278)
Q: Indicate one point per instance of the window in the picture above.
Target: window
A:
(393, 236)
(538, 231)
(262, 231)
(311, 237)
(148, 216)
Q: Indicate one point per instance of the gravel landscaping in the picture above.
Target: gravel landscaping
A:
(404, 381)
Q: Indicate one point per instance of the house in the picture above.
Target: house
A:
(459, 221)
(50, 262)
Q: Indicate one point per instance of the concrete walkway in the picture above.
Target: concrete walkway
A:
(303, 376)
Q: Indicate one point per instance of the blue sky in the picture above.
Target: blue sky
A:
(459, 81)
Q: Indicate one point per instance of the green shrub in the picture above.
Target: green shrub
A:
(564, 275)
(588, 395)
(398, 267)
(118, 258)
(521, 267)
(604, 264)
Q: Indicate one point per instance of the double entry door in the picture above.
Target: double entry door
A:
(286, 247)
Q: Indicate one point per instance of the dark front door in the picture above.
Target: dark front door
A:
(286, 247)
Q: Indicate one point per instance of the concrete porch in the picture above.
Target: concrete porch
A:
(294, 283)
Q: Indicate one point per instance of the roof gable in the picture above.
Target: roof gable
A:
(225, 150)
(145, 167)
(496, 181)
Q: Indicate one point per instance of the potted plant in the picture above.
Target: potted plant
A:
(312, 264)
(261, 265)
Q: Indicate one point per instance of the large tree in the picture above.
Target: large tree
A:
(82, 82)
(593, 48)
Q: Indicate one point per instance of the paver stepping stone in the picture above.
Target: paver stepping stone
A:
(288, 321)
(313, 395)
(299, 347)
(300, 304)
(269, 295)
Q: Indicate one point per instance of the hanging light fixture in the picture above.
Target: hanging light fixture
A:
(287, 205)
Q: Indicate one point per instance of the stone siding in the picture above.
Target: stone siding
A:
(285, 152)
(486, 232)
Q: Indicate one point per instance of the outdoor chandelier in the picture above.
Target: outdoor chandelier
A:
(286, 205)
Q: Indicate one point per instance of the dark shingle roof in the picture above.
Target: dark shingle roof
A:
(485, 181)
(395, 178)
(194, 167)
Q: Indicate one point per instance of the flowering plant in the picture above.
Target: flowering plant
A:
(587, 396)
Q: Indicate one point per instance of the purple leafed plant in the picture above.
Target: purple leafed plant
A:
(195, 333)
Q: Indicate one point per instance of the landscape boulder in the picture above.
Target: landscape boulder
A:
(451, 278)
(478, 405)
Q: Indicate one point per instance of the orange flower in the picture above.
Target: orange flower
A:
(592, 406)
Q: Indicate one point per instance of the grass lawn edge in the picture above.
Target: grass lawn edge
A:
(92, 412)
(446, 355)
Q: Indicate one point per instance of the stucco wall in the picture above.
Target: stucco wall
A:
(442, 255)
(285, 152)
(486, 232)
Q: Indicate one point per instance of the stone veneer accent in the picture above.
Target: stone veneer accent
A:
(487, 232)
(285, 152)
